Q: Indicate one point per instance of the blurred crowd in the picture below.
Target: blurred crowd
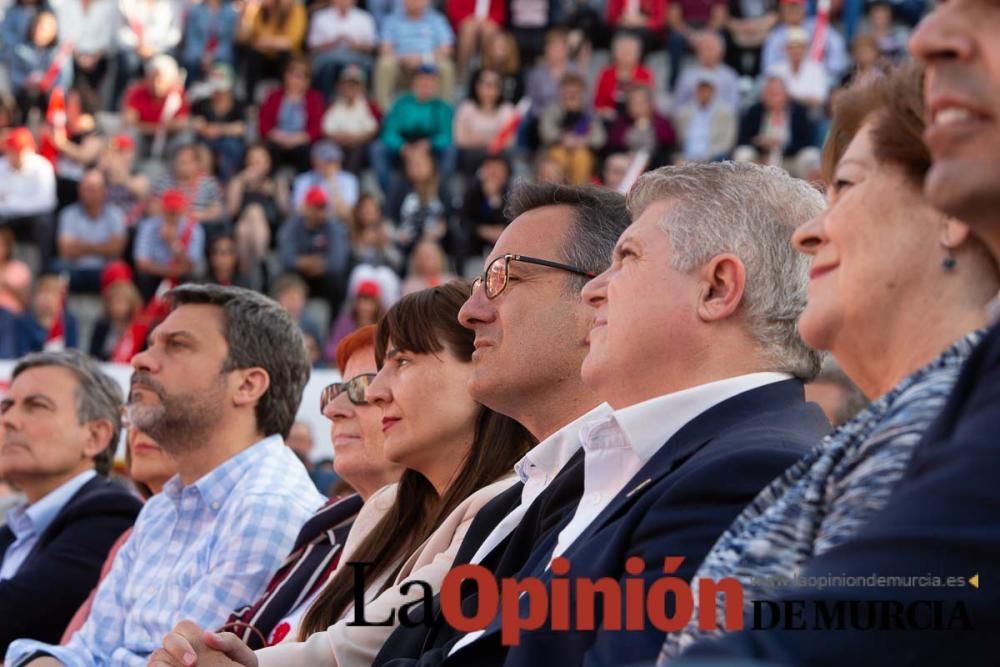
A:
(338, 155)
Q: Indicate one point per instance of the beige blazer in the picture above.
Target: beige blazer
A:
(342, 645)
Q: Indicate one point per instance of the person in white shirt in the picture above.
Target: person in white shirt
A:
(27, 192)
(807, 80)
(694, 346)
(340, 34)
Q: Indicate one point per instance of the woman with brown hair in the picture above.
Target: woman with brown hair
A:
(897, 295)
(459, 455)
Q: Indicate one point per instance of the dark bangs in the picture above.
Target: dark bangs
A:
(425, 322)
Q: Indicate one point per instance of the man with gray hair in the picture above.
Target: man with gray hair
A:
(218, 389)
(694, 347)
(59, 422)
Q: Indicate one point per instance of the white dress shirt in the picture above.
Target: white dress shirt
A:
(30, 190)
(536, 470)
(618, 446)
(28, 522)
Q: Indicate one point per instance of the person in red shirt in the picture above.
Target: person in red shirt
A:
(614, 80)
(291, 118)
(157, 104)
(472, 30)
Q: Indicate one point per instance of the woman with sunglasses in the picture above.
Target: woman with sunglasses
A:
(458, 456)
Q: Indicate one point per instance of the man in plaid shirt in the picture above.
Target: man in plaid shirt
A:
(218, 388)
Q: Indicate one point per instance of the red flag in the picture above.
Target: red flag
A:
(55, 339)
(509, 128)
(56, 113)
(818, 45)
(52, 73)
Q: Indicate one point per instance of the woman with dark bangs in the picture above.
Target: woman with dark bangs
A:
(458, 456)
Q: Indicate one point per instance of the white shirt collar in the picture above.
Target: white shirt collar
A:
(650, 424)
(548, 457)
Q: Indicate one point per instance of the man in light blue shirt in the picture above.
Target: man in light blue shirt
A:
(91, 233)
(341, 186)
(59, 422)
(415, 36)
(218, 389)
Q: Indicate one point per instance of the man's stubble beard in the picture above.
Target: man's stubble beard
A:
(180, 425)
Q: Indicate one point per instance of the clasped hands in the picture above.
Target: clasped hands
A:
(187, 645)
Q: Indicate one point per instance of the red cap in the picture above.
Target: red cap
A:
(115, 272)
(792, 2)
(19, 139)
(369, 288)
(124, 142)
(173, 200)
(316, 196)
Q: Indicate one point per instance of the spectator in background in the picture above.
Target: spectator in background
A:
(529, 21)
(209, 37)
(291, 293)
(89, 25)
(549, 170)
(646, 19)
(707, 125)
(806, 80)
(61, 418)
(340, 34)
(687, 18)
(364, 307)
(793, 15)
(341, 187)
(569, 133)
(15, 276)
(290, 117)
(157, 105)
(890, 37)
(776, 128)
(119, 334)
(501, 54)
(474, 26)
(422, 215)
(258, 201)
(220, 121)
(201, 191)
(169, 247)
(146, 29)
(221, 265)
(272, 32)
(372, 236)
(866, 62)
(127, 187)
(78, 146)
(27, 192)
(14, 28)
(300, 440)
(48, 324)
(833, 391)
(614, 80)
(544, 78)
(91, 233)
(412, 39)
(614, 171)
(479, 119)
(420, 120)
(482, 215)
(747, 25)
(642, 128)
(317, 248)
(709, 49)
(32, 62)
(352, 120)
(428, 268)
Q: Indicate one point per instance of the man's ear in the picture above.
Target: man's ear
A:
(723, 279)
(100, 432)
(253, 383)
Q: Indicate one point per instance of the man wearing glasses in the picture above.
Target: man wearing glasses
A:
(531, 337)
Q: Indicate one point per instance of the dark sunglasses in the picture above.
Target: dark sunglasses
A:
(355, 388)
(496, 276)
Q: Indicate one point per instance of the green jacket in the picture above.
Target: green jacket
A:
(411, 120)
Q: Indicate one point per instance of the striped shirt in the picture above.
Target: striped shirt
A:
(417, 37)
(197, 552)
(825, 498)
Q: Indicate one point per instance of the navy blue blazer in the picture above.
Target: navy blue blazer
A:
(944, 521)
(59, 573)
(676, 505)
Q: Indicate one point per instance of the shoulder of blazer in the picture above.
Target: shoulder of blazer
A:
(97, 498)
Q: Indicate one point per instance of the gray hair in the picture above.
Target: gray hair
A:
(599, 218)
(751, 212)
(98, 397)
(259, 333)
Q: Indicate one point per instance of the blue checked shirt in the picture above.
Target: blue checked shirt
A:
(197, 552)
